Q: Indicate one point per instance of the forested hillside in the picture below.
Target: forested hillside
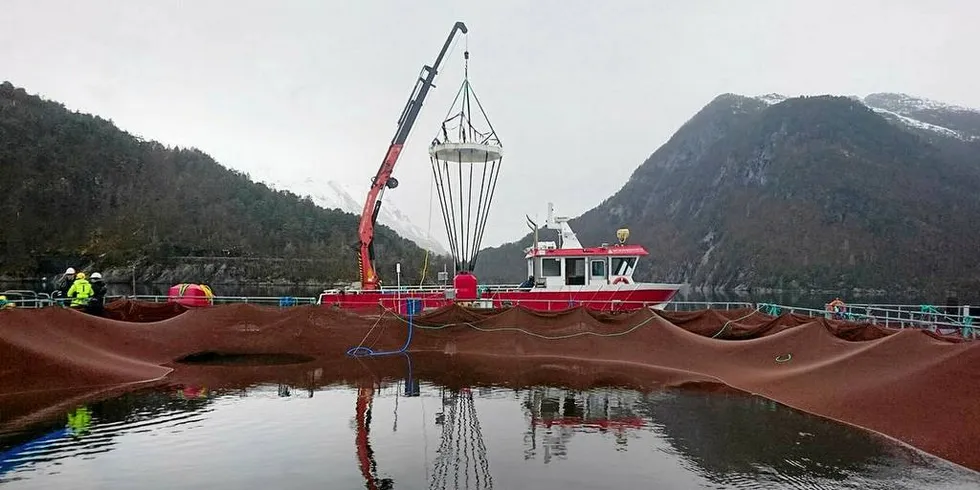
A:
(76, 189)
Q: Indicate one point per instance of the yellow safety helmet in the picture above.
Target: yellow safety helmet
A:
(80, 275)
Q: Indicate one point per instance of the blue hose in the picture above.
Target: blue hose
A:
(410, 388)
(362, 351)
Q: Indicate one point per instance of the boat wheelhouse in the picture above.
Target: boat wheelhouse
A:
(567, 263)
(551, 267)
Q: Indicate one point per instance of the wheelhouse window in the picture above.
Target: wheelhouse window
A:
(551, 267)
(623, 266)
(575, 271)
(599, 268)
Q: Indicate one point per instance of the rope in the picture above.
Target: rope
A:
(425, 265)
(360, 347)
(551, 337)
(428, 234)
(769, 309)
(532, 334)
(723, 327)
(361, 351)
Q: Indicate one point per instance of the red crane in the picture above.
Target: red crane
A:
(383, 179)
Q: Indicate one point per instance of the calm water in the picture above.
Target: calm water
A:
(426, 436)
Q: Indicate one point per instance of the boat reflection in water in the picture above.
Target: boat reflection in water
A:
(562, 413)
(731, 439)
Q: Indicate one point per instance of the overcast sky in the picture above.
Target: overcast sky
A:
(580, 92)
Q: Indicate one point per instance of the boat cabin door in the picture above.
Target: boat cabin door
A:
(575, 271)
(597, 270)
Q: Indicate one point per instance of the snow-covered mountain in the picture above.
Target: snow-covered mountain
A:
(772, 98)
(949, 120)
(924, 116)
(336, 195)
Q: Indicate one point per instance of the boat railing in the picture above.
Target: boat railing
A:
(25, 298)
(955, 315)
(429, 287)
(707, 305)
(886, 317)
(258, 300)
(442, 287)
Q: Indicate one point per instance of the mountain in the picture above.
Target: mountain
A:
(954, 121)
(820, 192)
(335, 195)
(925, 117)
(77, 190)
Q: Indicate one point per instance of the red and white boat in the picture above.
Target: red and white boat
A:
(560, 275)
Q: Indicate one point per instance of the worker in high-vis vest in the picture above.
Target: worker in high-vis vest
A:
(80, 291)
(79, 422)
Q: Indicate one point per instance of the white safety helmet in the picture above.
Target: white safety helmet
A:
(96, 275)
(70, 271)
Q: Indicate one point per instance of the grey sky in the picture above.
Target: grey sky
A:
(580, 92)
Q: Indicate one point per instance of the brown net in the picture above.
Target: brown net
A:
(918, 387)
(138, 311)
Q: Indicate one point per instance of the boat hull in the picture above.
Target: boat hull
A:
(624, 297)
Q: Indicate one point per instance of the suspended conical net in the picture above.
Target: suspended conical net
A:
(465, 157)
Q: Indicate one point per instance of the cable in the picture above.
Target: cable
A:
(428, 234)
(361, 351)
(532, 334)
(723, 327)
(425, 265)
(560, 337)
(368, 334)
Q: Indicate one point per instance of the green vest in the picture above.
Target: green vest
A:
(79, 421)
(80, 292)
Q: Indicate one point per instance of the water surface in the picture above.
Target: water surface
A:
(419, 435)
